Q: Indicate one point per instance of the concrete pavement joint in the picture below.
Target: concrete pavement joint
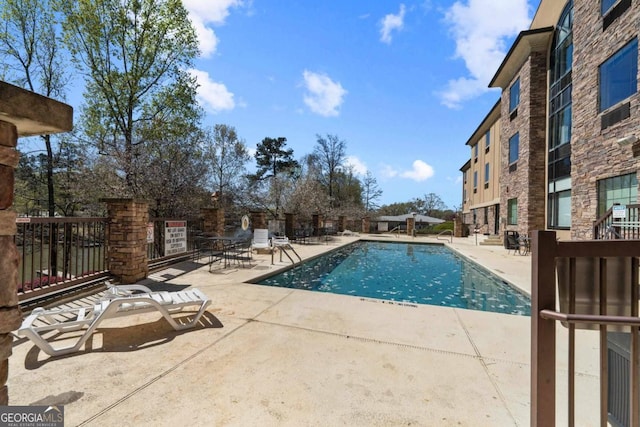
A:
(370, 340)
(160, 376)
(486, 368)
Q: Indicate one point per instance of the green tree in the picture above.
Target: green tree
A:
(30, 51)
(135, 56)
(272, 161)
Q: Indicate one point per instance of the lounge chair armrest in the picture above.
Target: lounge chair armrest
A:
(121, 290)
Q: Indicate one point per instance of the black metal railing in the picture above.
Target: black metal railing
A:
(56, 253)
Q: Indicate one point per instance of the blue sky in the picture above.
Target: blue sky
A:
(403, 83)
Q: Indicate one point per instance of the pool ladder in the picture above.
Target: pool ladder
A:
(284, 248)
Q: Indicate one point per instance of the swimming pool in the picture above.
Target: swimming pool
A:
(408, 272)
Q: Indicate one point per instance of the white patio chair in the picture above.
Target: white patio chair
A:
(261, 239)
(118, 301)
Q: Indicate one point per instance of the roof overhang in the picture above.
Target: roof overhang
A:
(485, 124)
(33, 114)
(548, 13)
(466, 166)
(527, 42)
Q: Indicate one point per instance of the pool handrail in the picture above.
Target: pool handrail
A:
(443, 232)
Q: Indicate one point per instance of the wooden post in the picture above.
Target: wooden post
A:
(543, 332)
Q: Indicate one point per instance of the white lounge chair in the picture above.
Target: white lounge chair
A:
(261, 239)
(118, 301)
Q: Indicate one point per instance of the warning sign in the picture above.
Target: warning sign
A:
(175, 237)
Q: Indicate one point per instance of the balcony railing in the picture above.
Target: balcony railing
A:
(58, 253)
(619, 222)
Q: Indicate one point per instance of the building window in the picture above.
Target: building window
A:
(464, 176)
(475, 153)
(514, 95)
(514, 146)
(486, 173)
(618, 76)
(606, 5)
(621, 189)
(512, 212)
(487, 141)
(560, 123)
(486, 215)
(475, 181)
(559, 204)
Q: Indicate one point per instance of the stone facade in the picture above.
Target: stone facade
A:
(127, 239)
(10, 314)
(595, 154)
(527, 182)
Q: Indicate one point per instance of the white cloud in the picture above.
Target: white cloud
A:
(387, 171)
(421, 171)
(480, 29)
(214, 96)
(324, 96)
(391, 23)
(204, 13)
(358, 165)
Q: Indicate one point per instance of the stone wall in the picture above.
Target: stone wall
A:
(595, 154)
(10, 314)
(213, 220)
(258, 220)
(527, 182)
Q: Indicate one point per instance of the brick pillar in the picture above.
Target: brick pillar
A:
(458, 227)
(289, 224)
(258, 220)
(342, 223)
(316, 222)
(213, 220)
(127, 239)
(10, 314)
(411, 226)
(366, 223)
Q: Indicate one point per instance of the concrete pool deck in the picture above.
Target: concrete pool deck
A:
(273, 356)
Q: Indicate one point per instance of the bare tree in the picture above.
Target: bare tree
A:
(370, 192)
(331, 154)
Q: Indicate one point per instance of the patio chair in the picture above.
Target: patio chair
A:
(261, 239)
(513, 243)
(118, 301)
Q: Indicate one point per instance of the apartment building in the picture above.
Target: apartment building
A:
(568, 120)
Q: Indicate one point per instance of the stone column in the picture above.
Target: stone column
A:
(289, 224)
(366, 224)
(10, 314)
(458, 227)
(342, 223)
(127, 239)
(316, 221)
(213, 220)
(411, 226)
(258, 220)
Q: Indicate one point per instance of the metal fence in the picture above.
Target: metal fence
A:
(59, 252)
(157, 238)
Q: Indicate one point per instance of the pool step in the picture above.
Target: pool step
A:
(493, 240)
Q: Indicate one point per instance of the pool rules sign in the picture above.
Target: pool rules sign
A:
(175, 237)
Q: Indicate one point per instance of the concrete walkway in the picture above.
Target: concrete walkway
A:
(270, 356)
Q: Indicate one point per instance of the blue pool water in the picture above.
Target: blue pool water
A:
(408, 272)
